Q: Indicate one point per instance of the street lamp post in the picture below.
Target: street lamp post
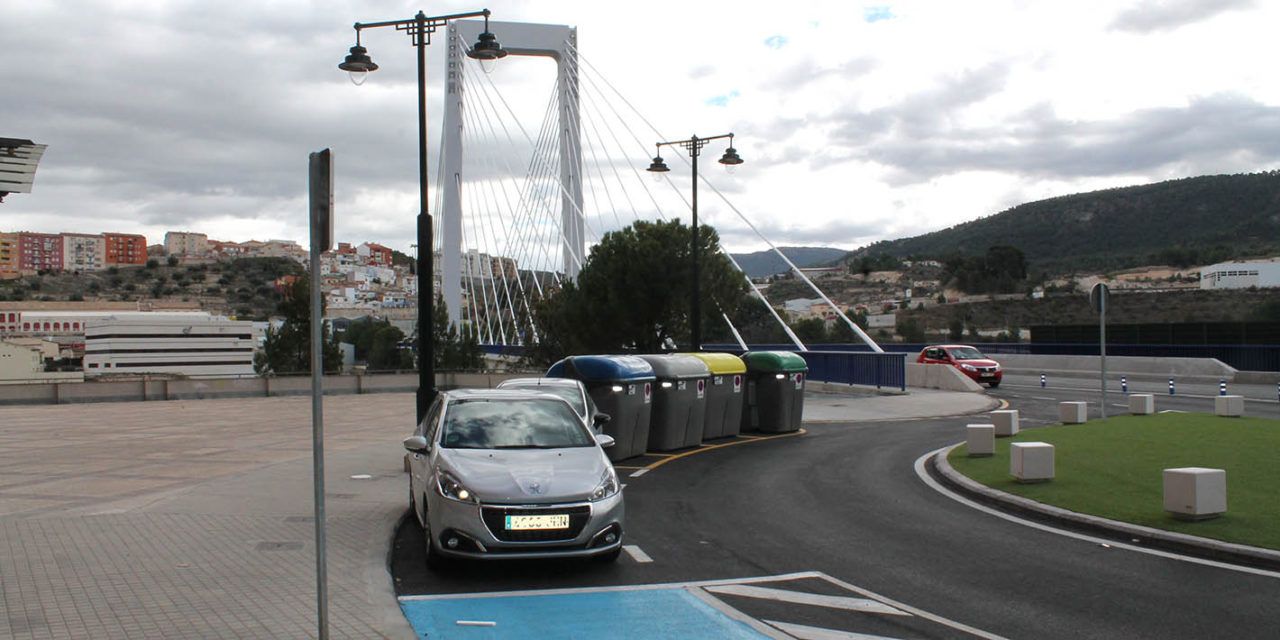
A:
(730, 159)
(359, 64)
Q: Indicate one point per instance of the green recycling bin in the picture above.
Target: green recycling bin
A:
(724, 394)
(679, 401)
(774, 401)
(621, 386)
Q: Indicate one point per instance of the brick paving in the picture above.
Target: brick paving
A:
(192, 518)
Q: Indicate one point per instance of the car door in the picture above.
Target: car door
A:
(420, 463)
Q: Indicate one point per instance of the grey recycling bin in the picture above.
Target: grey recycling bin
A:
(775, 391)
(679, 401)
(621, 386)
(724, 394)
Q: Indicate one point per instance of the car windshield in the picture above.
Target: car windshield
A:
(967, 353)
(570, 394)
(513, 424)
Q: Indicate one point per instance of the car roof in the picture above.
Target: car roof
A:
(541, 382)
(493, 394)
(952, 346)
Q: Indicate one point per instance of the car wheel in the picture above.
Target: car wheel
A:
(413, 503)
(435, 561)
(610, 557)
(994, 384)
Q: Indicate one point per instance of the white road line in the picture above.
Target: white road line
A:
(636, 553)
(804, 632)
(912, 610)
(799, 597)
(722, 607)
(636, 587)
(924, 476)
(639, 473)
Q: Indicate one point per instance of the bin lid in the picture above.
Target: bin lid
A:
(675, 366)
(601, 368)
(721, 364)
(784, 361)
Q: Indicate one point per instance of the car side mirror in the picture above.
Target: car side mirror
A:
(605, 441)
(600, 420)
(417, 444)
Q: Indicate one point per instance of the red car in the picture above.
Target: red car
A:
(968, 360)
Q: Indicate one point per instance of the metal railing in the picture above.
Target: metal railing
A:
(864, 368)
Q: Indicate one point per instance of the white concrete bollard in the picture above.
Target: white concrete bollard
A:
(1195, 493)
(1230, 406)
(1073, 412)
(1142, 404)
(1006, 422)
(982, 440)
(1031, 461)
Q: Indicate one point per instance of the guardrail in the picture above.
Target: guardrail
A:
(865, 368)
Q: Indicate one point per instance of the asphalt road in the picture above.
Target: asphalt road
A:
(844, 500)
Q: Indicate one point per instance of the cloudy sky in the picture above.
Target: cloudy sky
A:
(859, 121)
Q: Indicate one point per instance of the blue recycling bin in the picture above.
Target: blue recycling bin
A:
(621, 386)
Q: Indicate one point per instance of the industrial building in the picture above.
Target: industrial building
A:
(1240, 275)
(159, 344)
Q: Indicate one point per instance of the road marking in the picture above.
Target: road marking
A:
(1004, 404)
(631, 587)
(636, 553)
(713, 447)
(936, 486)
(799, 597)
(476, 623)
(805, 632)
(628, 468)
(1158, 393)
(641, 472)
(723, 607)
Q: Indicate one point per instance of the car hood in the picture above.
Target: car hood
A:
(527, 476)
(980, 362)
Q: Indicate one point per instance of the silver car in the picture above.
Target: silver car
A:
(573, 392)
(498, 473)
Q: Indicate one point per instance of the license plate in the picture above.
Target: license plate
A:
(988, 375)
(534, 523)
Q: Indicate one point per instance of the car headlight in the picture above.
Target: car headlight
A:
(450, 488)
(608, 486)
(968, 367)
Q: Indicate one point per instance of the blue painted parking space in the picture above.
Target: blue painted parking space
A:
(648, 613)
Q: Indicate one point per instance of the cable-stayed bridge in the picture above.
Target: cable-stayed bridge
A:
(511, 231)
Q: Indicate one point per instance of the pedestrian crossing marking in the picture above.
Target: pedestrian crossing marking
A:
(846, 603)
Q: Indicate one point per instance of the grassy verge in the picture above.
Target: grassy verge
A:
(1112, 468)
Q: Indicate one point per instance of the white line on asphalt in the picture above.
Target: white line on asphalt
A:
(637, 587)
(798, 597)
(1131, 391)
(639, 473)
(476, 623)
(723, 607)
(636, 553)
(805, 632)
(958, 626)
(924, 476)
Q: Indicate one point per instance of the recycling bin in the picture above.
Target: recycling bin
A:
(724, 394)
(621, 386)
(679, 401)
(774, 401)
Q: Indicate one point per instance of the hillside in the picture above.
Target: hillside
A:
(767, 263)
(1191, 221)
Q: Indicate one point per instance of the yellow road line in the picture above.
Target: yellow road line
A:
(1004, 404)
(702, 449)
(658, 455)
(618, 466)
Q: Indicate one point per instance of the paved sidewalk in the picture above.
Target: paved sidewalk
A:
(193, 519)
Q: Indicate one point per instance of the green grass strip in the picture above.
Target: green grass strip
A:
(1112, 468)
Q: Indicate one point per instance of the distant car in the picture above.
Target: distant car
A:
(572, 391)
(968, 360)
(499, 473)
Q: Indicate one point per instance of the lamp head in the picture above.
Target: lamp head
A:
(358, 64)
(487, 51)
(658, 166)
(730, 158)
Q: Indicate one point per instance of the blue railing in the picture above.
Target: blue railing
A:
(865, 368)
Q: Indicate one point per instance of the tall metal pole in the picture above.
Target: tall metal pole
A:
(317, 433)
(1102, 347)
(695, 308)
(426, 266)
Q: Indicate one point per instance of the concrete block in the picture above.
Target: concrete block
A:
(1195, 493)
(1031, 461)
(1006, 422)
(1073, 412)
(1230, 406)
(982, 440)
(1142, 404)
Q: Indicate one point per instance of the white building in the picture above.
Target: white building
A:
(83, 252)
(1240, 275)
(181, 243)
(21, 364)
(208, 346)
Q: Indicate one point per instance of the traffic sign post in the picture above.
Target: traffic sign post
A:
(320, 187)
(1098, 298)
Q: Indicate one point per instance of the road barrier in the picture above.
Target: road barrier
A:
(879, 370)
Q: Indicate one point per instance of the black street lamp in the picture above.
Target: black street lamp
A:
(359, 64)
(730, 160)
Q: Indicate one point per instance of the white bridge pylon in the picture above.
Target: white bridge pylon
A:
(559, 43)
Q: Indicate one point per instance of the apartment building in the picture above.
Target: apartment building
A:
(83, 252)
(183, 243)
(39, 251)
(125, 248)
(9, 255)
